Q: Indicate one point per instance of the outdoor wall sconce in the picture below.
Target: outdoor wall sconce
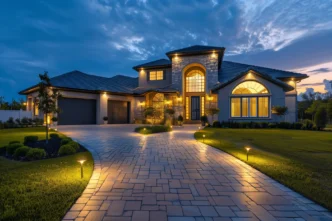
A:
(213, 55)
(81, 162)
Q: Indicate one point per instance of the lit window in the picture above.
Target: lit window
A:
(36, 109)
(156, 75)
(250, 87)
(195, 81)
(250, 106)
(263, 105)
(236, 107)
(203, 105)
(187, 108)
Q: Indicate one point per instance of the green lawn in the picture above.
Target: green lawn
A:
(329, 126)
(302, 160)
(39, 190)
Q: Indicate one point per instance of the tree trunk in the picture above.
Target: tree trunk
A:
(46, 130)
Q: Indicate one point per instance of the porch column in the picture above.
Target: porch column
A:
(101, 108)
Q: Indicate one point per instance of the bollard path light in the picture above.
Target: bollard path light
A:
(81, 162)
(248, 149)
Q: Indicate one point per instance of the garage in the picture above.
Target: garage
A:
(118, 112)
(75, 111)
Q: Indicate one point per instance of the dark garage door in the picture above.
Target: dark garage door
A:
(118, 112)
(77, 111)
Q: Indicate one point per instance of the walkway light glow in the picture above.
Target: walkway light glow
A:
(81, 162)
(248, 149)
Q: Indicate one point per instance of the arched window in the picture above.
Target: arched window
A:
(250, 87)
(195, 81)
(255, 105)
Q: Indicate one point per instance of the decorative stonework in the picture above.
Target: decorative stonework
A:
(209, 61)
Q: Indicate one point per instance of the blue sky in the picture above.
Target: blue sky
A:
(107, 38)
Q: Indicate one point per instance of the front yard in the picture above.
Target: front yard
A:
(43, 189)
(302, 160)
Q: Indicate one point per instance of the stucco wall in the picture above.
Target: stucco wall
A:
(144, 82)
(277, 98)
(209, 62)
(291, 103)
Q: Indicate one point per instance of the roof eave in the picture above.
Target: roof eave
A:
(137, 68)
(173, 53)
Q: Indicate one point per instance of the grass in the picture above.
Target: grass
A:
(39, 190)
(302, 160)
(152, 129)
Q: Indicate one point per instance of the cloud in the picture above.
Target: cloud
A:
(320, 70)
(214, 3)
(310, 85)
(132, 44)
(101, 6)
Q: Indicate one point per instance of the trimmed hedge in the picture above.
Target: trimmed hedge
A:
(12, 148)
(65, 141)
(54, 136)
(15, 141)
(35, 154)
(74, 144)
(21, 152)
(66, 149)
(304, 125)
(153, 129)
(30, 139)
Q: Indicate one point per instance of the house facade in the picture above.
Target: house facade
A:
(192, 81)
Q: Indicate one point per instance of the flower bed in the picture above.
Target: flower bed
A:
(153, 129)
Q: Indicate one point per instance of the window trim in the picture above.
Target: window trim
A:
(257, 96)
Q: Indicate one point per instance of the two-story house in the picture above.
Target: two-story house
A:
(191, 81)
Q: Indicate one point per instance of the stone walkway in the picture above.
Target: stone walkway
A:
(170, 176)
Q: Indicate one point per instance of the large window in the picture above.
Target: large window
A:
(156, 75)
(158, 105)
(250, 100)
(195, 81)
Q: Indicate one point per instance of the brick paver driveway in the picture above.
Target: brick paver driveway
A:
(172, 176)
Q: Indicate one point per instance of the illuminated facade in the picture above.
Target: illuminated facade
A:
(192, 82)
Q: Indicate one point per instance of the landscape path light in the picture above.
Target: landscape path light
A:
(81, 162)
(203, 137)
(248, 149)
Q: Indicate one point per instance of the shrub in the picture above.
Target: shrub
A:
(298, 126)
(284, 125)
(307, 124)
(204, 119)
(25, 121)
(30, 139)
(74, 144)
(15, 141)
(21, 152)
(321, 118)
(18, 121)
(35, 154)
(216, 124)
(153, 129)
(54, 119)
(54, 136)
(66, 150)
(65, 141)
(12, 147)
(180, 118)
(10, 120)
(2, 126)
(272, 125)
(170, 111)
(105, 118)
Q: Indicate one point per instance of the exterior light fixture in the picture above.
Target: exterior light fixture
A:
(144, 128)
(171, 126)
(24, 103)
(248, 149)
(199, 128)
(213, 54)
(81, 162)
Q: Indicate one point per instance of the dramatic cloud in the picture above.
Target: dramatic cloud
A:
(108, 37)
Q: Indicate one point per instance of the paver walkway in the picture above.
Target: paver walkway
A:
(170, 176)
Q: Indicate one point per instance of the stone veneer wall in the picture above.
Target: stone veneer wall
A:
(208, 61)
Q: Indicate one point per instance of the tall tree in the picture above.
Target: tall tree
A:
(47, 98)
(329, 110)
(313, 108)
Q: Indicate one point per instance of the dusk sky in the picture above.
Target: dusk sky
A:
(107, 38)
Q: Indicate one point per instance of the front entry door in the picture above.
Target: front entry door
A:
(195, 108)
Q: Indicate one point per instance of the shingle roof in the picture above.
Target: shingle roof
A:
(81, 81)
(231, 69)
(167, 89)
(156, 63)
(195, 49)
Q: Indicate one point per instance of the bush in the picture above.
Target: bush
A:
(153, 129)
(180, 118)
(297, 126)
(18, 121)
(30, 139)
(307, 124)
(2, 126)
(54, 136)
(105, 118)
(204, 119)
(216, 124)
(74, 144)
(12, 148)
(15, 141)
(65, 141)
(25, 121)
(54, 119)
(272, 125)
(21, 152)
(66, 150)
(284, 125)
(321, 118)
(35, 154)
